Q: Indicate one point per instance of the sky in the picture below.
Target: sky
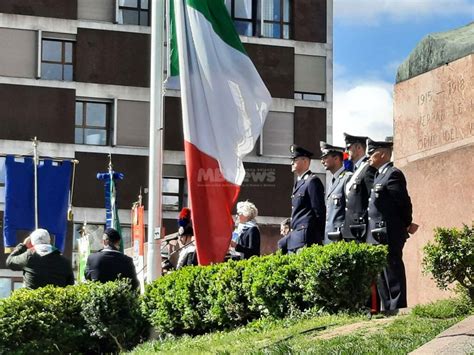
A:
(371, 39)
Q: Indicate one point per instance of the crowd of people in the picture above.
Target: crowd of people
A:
(365, 201)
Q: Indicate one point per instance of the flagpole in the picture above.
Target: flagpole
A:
(156, 142)
(35, 162)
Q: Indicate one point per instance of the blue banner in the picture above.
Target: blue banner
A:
(111, 208)
(53, 197)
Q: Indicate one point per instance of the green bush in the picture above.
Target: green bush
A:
(89, 317)
(199, 299)
(451, 258)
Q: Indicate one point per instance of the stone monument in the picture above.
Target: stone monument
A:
(434, 143)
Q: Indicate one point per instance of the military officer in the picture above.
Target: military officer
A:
(307, 200)
(357, 189)
(332, 160)
(390, 221)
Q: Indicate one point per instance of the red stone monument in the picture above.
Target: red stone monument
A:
(434, 144)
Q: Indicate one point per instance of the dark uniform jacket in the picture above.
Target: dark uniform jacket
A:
(39, 271)
(110, 264)
(248, 242)
(390, 214)
(308, 213)
(335, 208)
(357, 200)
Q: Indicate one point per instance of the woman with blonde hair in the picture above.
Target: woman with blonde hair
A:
(246, 240)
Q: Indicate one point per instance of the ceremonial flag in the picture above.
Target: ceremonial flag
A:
(111, 208)
(224, 104)
(54, 180)
(138, 239)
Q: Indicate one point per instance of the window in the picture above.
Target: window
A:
(276, 19)
(8, 285)
(92, 123)
(133, 12)
(57, 59)
(309, 96)
(175, 194)
(243, 12)
(265, 18)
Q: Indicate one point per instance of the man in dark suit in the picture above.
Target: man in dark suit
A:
(390, 221)
(109, 264)
(307, 204)
(357, 189)
(332, 160)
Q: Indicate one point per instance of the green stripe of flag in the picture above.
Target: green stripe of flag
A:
(216, 13)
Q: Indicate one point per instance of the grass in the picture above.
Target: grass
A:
(322, 334)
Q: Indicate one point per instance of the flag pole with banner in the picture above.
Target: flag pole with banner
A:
(111, 209)
(224, 105)
(138, 239)
(37, 192)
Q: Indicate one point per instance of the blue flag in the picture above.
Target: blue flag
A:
(53, 193)
(111, 208)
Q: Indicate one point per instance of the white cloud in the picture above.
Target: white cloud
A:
(362, 108)
(375, 12)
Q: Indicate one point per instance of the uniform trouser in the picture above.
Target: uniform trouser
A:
(391, 283)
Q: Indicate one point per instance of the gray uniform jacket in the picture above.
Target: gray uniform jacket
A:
(335, 208)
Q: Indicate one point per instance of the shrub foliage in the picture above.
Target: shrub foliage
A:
(90, 317)
(451, 257)
(198, 299)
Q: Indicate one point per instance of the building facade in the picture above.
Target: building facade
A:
(76, 74)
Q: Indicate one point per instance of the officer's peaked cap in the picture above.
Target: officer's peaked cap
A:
(327, 148)
(297, 151)
(372, 146)
(350, 139)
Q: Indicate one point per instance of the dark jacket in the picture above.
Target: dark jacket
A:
(248, 242)
(390, 208)
(357, 194)
(390, 214)
(39, 271)
(109, 264)
(308, 213)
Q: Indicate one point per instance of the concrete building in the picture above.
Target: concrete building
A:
(75, 74)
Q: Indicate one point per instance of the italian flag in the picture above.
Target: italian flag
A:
(224, 105)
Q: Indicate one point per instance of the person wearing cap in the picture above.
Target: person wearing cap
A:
(332, 160)
(308, 210)
(187, 252)
(390, 221)
(109, 264)
(246, 240)
(42, 264)
(357, 189)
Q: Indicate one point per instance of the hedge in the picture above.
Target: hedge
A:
(198, 299)
(90, 317)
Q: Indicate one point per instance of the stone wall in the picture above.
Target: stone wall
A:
(434, 147)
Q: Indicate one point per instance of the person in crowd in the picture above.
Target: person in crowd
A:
(247, 237)
(308, 209)
(284, 233)
(357, 189)
(187, 252)
(390, 222)
(332, 160)
(109, 264)
(42, 264)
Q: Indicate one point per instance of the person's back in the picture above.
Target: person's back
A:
(41, 264)
(110, 264)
